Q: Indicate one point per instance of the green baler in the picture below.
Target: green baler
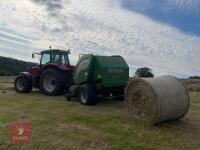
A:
(96, 76)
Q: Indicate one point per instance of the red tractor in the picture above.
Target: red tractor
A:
(53, 75)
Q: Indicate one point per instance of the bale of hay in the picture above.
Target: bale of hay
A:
(156, 100)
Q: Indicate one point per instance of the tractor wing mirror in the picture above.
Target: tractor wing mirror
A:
(68, 51)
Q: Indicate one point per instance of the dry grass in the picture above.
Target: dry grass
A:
(6, 83)
(57, 124)
(8, 79)
(192, 84)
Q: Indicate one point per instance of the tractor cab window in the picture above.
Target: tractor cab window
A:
(55, 58)
(45, 59)
(65, 59)
(60, 58)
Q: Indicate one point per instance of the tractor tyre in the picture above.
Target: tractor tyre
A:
(88, 94)
(23, 84)
(53, 82)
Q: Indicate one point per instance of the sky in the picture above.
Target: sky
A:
(163, 35)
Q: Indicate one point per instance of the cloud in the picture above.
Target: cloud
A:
(53, 6)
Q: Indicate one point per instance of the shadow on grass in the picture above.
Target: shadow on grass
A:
(185, 125)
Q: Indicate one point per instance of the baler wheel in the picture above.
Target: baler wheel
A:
(88, 94)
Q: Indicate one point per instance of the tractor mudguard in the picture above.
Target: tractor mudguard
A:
(61, 68)
(27, 74)
(55, 66)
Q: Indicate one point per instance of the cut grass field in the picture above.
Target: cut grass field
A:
(57, 124)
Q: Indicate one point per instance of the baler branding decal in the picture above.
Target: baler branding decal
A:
(115, 70)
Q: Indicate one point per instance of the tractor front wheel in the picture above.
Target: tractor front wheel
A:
(23, 84)
(88, 94)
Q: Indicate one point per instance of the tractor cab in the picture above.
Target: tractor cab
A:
(55, 57)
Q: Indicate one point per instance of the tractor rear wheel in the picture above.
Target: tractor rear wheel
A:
(88, 94)
(53, 82)
(23, 84)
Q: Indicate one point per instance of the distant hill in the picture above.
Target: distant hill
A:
(10, 66)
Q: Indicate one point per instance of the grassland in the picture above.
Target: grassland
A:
(57, 124)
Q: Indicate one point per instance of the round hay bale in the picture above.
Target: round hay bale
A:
(156, 100)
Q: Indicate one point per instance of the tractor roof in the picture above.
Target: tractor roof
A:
(55, 50)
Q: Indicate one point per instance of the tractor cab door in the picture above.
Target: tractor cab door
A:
(83, 69)
(45, 59)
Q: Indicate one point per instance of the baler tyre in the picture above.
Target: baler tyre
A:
(52, 82)
(88, 94)
(67, 97)
(23, 84)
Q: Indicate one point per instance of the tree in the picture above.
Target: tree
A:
(194, 77)
(144, 72)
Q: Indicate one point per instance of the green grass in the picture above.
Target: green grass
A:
(57, 124)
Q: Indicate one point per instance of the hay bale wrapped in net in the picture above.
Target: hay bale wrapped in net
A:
(155, 100)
